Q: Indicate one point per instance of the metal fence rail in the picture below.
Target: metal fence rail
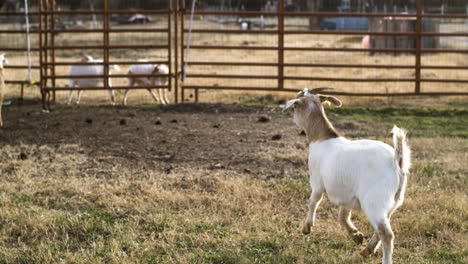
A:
(48, 46)
(284, 71)
(281, 48)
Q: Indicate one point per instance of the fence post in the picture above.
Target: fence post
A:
(280, 10)
(175, 13)
(417, 88)
(169, 43)
(52, 52)
(182, 29)
(105, 25)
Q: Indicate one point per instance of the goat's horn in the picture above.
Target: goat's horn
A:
(317, 90)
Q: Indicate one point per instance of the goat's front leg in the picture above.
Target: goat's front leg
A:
(345, 220)
(315, 199)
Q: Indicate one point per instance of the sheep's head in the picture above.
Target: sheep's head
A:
(308, 107)
(156, 69)
(160, 69)
(3, 60)
(87, 58)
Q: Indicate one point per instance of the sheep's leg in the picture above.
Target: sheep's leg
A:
(315, 199)
(112, 96)
(131, 81)
(345, 220)
(161, 95)
(70, 94)
(154, 95)
(165, 96)
(372, 246)
(124, 101)
(80, 92)
(111, 93)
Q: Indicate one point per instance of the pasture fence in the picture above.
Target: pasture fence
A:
(275, 48)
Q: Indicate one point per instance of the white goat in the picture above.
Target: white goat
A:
(361, 174)
(91, 69)
(3, 61)
(159, 77)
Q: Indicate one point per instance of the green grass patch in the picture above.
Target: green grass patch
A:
(451, 256)
(420, 122)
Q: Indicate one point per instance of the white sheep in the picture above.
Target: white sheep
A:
(360, 174)
(159, 77)
(3, 61)
(92, 68)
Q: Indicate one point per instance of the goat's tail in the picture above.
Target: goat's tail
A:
(402, 160)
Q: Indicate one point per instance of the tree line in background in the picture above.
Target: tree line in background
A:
(450, 6)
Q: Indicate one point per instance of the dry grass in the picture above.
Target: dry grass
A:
(211, 188)
(76, 186)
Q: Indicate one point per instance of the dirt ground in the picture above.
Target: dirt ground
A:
(213, 136)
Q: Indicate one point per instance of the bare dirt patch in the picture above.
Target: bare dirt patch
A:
(214, 136)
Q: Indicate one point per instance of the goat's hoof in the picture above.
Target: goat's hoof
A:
(306, 229)
(358, 237)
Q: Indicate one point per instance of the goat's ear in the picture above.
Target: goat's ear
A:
(330, 100)
(290, 103)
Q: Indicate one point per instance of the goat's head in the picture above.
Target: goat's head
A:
(3, 60)
(308, 107)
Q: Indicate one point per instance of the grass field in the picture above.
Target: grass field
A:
(206, 183)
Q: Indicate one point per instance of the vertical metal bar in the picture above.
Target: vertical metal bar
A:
(46, 43)
(169, 43)
(22, 92)
(182, 28)
(52, 52)
(417, 88)
(280, 44)
(41, 49)
(105, 25)
(175, 12)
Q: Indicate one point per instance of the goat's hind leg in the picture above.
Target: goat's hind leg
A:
(372, 246)
(315, 199)
(381, 224)
(345, 220)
